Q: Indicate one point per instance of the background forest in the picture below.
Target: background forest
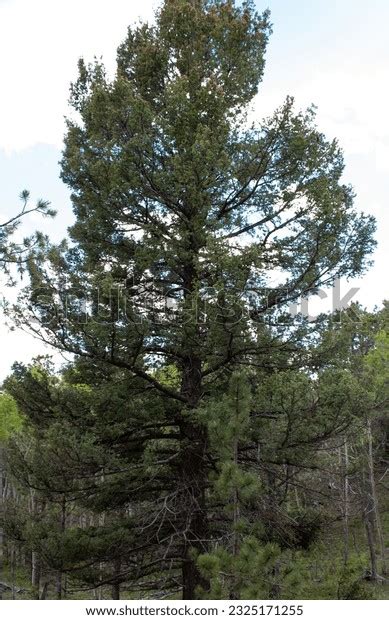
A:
(206, 440)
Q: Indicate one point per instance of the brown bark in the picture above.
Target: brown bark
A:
(368, 520)
(344, 465)
(194, 483)
(44, 590)
(116, 584)
(374, 498)
(35, 574)
(58, 580)
(35, 559)
(193, 471)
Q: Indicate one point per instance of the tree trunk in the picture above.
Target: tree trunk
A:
(116, 585)
(194, 484)
(58, 586)
(195, 521)
(368, 519)
(35, 574)
(236, 512)
(44, 590)
(35, 559)
(58, 580)
(374, 498)
(193, 469)
(344, 465)
(13, 571)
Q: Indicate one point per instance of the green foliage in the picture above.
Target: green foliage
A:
(10, 418)
(264, 572)
(250, 574)
(16, 254)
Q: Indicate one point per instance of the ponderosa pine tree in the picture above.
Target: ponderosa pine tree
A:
(184, 215)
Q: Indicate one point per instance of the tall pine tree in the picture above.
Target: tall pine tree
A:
(185, 213)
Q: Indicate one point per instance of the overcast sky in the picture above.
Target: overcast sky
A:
(329, 52)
